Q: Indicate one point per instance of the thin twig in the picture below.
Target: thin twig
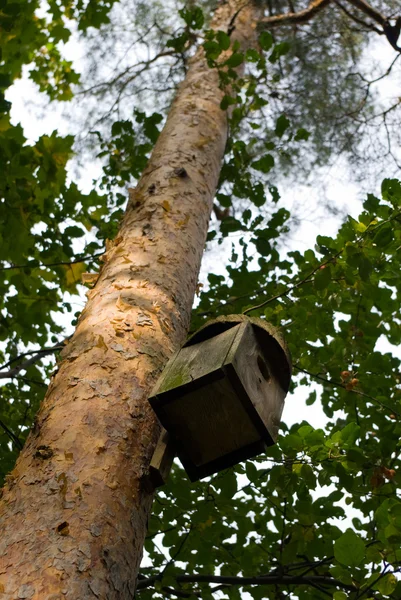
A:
(11, 435)
(242, 581)
(342, 386)
(303, 16)
(55, 264)
(24, 365)
(359, 21)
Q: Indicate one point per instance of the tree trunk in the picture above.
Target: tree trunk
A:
(74, 510)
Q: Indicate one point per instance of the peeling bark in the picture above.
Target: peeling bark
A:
(74, 511)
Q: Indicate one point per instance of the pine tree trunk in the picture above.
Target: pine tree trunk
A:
(74, 511)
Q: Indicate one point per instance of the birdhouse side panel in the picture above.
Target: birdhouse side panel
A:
(253, 367)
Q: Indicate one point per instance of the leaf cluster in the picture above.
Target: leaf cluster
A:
(280, 518)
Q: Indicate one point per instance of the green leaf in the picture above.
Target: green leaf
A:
(212, 50)
(301, 135)
(235, 60)
(274, 193)
(384, 235)
(193, 17)
(355, 455)
(223, 40)
(263, 246)
(279, 50)
(258, 197)
(349, 434)
(5, 80)
(282, 125)
(309, 476)
(311, 399)
(224, 200)
(365, 268)
(74, 231)
(349, 549)
(229, 225)
(322, 278)
(251, 471)
(178, 43)
(252, 55)
(246, 215)
(266, 40)
(371, 203)
(315, 437)
(359, 227)
(387, 584)
(391, 191)
(264, 164)
(338, 572)
(392, 534)
(291, 444)
(227, 101)
(215, 279)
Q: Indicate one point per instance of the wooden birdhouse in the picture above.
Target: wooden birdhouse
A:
(220, 397)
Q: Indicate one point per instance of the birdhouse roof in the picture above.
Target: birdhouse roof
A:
(270, 337)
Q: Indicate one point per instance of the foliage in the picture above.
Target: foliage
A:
(283, 516)
(42, 215)
(320, 514)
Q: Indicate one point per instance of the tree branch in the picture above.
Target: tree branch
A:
(369, 11)
(359, 21)
(11, 435)
(307, 279)
(38, 354)
(179, 593)
(55, 264)
(353, 391)
(391, 32)
(293, 18)
(313, 580)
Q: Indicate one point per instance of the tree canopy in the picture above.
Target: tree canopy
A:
(320, 514)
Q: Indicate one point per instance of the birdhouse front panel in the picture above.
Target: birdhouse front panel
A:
(210, 413)
(221, 396)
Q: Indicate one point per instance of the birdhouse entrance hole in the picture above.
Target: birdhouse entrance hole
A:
(263, 368)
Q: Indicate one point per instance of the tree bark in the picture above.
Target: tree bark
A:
(74, 511)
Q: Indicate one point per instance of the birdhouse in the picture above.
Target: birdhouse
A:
(220, 397)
